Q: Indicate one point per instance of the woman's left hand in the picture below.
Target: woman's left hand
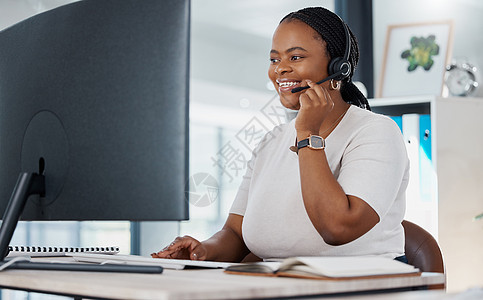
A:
(315, 105)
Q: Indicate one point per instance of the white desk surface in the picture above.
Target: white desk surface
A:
(194, 284)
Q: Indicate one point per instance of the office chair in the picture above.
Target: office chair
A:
(422, 250)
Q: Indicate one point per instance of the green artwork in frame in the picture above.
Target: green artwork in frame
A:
(415, 59)
(421, 52)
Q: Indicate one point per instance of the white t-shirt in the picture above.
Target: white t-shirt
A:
(367, 156)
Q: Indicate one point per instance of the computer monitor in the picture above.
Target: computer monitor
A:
(94, 96)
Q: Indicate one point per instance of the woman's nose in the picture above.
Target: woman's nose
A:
(282, 68)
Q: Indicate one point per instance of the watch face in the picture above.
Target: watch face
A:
(316, 142)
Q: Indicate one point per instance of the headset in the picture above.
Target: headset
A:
(339, 67)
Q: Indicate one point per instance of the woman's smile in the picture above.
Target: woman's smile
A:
(286, 84)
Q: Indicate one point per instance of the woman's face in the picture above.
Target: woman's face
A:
(298, 53)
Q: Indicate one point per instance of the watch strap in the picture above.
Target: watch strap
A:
(303, 143)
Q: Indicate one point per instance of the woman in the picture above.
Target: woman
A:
(341, 190)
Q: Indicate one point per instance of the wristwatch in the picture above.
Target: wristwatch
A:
(313, 142)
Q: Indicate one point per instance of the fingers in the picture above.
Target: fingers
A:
(316, 96)
(184, 247)
(315, 104)
(177, 248)
(330, 102)
(198, 253)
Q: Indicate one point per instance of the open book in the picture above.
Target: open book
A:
(340, 267)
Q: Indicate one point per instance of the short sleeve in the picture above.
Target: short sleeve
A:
(241, 199)
(239, 205)
(374, 164)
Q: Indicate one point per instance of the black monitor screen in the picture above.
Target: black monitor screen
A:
(95, 93)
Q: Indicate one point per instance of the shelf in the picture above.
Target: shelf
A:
(396, 106)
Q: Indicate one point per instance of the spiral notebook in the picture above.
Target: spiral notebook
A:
(14, 251)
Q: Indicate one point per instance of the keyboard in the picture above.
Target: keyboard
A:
(176, 264)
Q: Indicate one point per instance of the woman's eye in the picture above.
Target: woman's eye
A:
(273, 60)
(296, 57)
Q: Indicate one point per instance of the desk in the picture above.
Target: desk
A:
(195, 284)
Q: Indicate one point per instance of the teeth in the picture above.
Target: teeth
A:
(288, 84)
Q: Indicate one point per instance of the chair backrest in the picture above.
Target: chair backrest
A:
(422, 250)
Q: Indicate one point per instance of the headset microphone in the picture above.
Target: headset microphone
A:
(301, 88)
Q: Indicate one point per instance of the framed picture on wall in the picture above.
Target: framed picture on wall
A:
(415, 59)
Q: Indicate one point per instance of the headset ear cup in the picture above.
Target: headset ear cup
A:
(339, 64)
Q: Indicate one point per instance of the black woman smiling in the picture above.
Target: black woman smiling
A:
(340, 188)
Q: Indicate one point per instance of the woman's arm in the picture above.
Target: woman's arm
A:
(338, 218)
(225, 245)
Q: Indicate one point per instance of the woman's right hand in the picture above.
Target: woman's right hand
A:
(184, 247)
(315, 105)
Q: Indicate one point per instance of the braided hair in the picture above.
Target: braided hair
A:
(330, 27)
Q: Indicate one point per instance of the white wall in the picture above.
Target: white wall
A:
(460, 173)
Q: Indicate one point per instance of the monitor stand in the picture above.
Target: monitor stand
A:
(34, 184)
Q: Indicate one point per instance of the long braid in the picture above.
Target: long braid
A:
(328, 25)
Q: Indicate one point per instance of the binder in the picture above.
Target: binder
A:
(421, 195)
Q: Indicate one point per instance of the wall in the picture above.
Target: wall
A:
(460, 173)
